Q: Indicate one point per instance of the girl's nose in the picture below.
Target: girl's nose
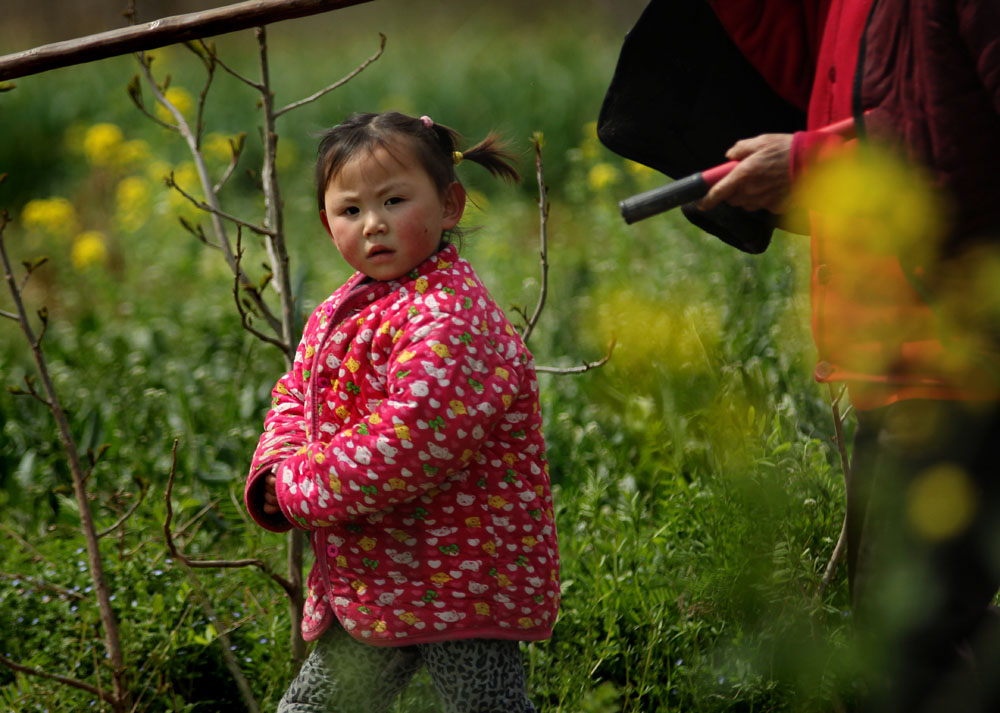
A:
(375, 224)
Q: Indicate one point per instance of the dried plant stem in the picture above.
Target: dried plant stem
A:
(543, 211)
(841, 546)
(119, 698)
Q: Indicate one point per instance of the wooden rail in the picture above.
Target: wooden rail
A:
(166, 31)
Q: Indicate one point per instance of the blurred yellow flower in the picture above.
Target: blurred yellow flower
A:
(216, 148)
(89, 248)
(56, 216)
(180, 98)
(186, 177)
(132, 202)
(133, 153)
(940, 502)
(673, 334)
(101, 144)
(872, 199)
(602, 175)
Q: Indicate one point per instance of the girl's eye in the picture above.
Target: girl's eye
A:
(394, 200)
(351, 210)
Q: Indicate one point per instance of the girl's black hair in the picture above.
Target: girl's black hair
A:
(434, 146)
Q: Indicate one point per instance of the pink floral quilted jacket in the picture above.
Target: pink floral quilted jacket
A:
(408, 440)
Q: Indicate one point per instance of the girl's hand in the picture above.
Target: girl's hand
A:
(271, 495)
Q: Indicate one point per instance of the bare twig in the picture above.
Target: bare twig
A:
(128, 513)
(838, 550)
(202, 205)
(543, 210)
(233, 72)
(222, 564)
(238, 287)
(586, 366)
(66, 681)
(210, 197)
(119, 697)
(162, 32)
(336, 85)
(236, 146)
(11, 532)
(32, 582)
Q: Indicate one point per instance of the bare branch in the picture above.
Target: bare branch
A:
(845, 464)
(109, 620)
(233, 72)
(206, 183)
(543, 210)
(218, 564)
(586, 366)
(128, 513)
(202, 205)
(72, 682)
(36, 584)
(360, 68)
(25, 544)
(8, 315)
(134, 90)
(159, 33)
(236, 146)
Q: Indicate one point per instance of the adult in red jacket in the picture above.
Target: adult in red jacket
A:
(921, 76)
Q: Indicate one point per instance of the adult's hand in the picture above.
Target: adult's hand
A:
(762, 179)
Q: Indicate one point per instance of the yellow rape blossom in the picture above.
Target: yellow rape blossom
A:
(132, 197)
(56, 216)
(102, 143)
(216, 148)
(602, 175)
(89, 248)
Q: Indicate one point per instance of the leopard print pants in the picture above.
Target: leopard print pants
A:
(343, 675)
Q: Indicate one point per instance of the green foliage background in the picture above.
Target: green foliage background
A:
(698, 487)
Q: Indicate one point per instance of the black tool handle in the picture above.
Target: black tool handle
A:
(658, 200)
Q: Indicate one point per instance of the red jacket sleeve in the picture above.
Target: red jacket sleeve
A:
(284, 434)
(439, 407)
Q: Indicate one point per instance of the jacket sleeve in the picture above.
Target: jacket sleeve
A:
(780, 38)
(979, 24)
(446, 391)
(284, 434)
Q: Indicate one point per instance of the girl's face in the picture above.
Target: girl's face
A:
(384, 213)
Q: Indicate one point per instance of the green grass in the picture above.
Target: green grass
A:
(698, 489)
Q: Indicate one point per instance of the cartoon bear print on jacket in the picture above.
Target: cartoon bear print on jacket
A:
(407, 439)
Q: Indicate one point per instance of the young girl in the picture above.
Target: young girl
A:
(407, 439)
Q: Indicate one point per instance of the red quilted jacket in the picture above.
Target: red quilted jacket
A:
(407, 440)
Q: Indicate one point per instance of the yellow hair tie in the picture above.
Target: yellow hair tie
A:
(456, 157)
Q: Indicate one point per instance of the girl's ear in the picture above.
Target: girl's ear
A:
(326, 223)
(454, 205)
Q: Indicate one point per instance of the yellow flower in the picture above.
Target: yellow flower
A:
(601, 176)
(53, 215)
(101, 144)
(133, 153)
(89, 248)
(182, 101)
(132, 202)
(216, 148)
